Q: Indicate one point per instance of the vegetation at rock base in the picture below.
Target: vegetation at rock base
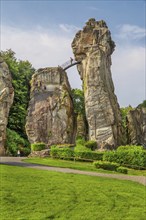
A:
(15, 142)
(38, 146)
(50, 195)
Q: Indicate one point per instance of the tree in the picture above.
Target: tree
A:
(21, 72)
(78, 100)
(143, 104)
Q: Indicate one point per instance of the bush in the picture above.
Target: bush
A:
(129, 156)
(64, 145)
(88, 155)
(15, 142)
(68, 153)
(106, 165)
(122, 170)
(91, 145)
(62, 153)
(80, 141)
(37, 146)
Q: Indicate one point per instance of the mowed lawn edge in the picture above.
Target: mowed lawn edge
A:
(84, 166)
(38, 195)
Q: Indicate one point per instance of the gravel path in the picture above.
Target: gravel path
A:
(17, 161)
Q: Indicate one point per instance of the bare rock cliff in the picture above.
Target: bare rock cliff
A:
(6, 100)
(136, 126)
(93, 46)
(50, 113)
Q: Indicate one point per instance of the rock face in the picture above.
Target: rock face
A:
(50, 113)
(136, 126)
(6, 100)
(81, 127)
(93, 46)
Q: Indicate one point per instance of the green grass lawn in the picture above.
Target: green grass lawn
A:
(30, 194)
(87, 166)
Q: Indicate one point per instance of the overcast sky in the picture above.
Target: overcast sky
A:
(42, 31)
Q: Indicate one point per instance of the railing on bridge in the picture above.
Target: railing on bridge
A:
(69, 64)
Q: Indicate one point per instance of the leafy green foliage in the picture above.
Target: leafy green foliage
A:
(63, 145)
(91, 145)
(106, 165)
(15, 142)
(143, 104)
(37, 146)
(88, 155)
(122, 170)
(80, 145)
(124, 112)
(78, 100)
(68, 153)
(130, 156)
(21, 72)
(61, 153)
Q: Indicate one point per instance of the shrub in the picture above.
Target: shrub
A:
(61, 153)
(129, 156)
(91, 145)
(122, 170)
(106, 165)
(80, 141)
(37, 146)
(68, 153)
(14, 142)
(64, 145)
(88, 155)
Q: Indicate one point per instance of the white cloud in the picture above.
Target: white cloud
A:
(45, 48)
(129, 74)
(68, 28)
(41, 47)
(132, 32)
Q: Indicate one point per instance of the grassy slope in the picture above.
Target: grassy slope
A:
(78, 165)
(28, 194)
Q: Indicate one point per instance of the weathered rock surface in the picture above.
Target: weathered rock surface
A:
(136, 126)
(93, 46)
(81, 127)
(6, 100)
(50, 113)
(42, 153)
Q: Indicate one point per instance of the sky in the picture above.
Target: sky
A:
(42, 31)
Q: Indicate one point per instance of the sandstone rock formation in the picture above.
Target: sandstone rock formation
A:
(50, 113)
(93, 46)
(6, 100)
(136, 126)
(81, 127)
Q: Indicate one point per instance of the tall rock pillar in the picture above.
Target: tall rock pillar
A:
(6, 100)
(50, 114)
(93, 46)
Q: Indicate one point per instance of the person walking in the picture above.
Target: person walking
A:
(18, 153)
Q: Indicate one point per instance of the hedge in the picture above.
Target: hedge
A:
(37, 146)
(106, 165)
(68, 153)
(88, 155)
(129, 156)
(110, 166)
(91, 145)
(61, 153)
